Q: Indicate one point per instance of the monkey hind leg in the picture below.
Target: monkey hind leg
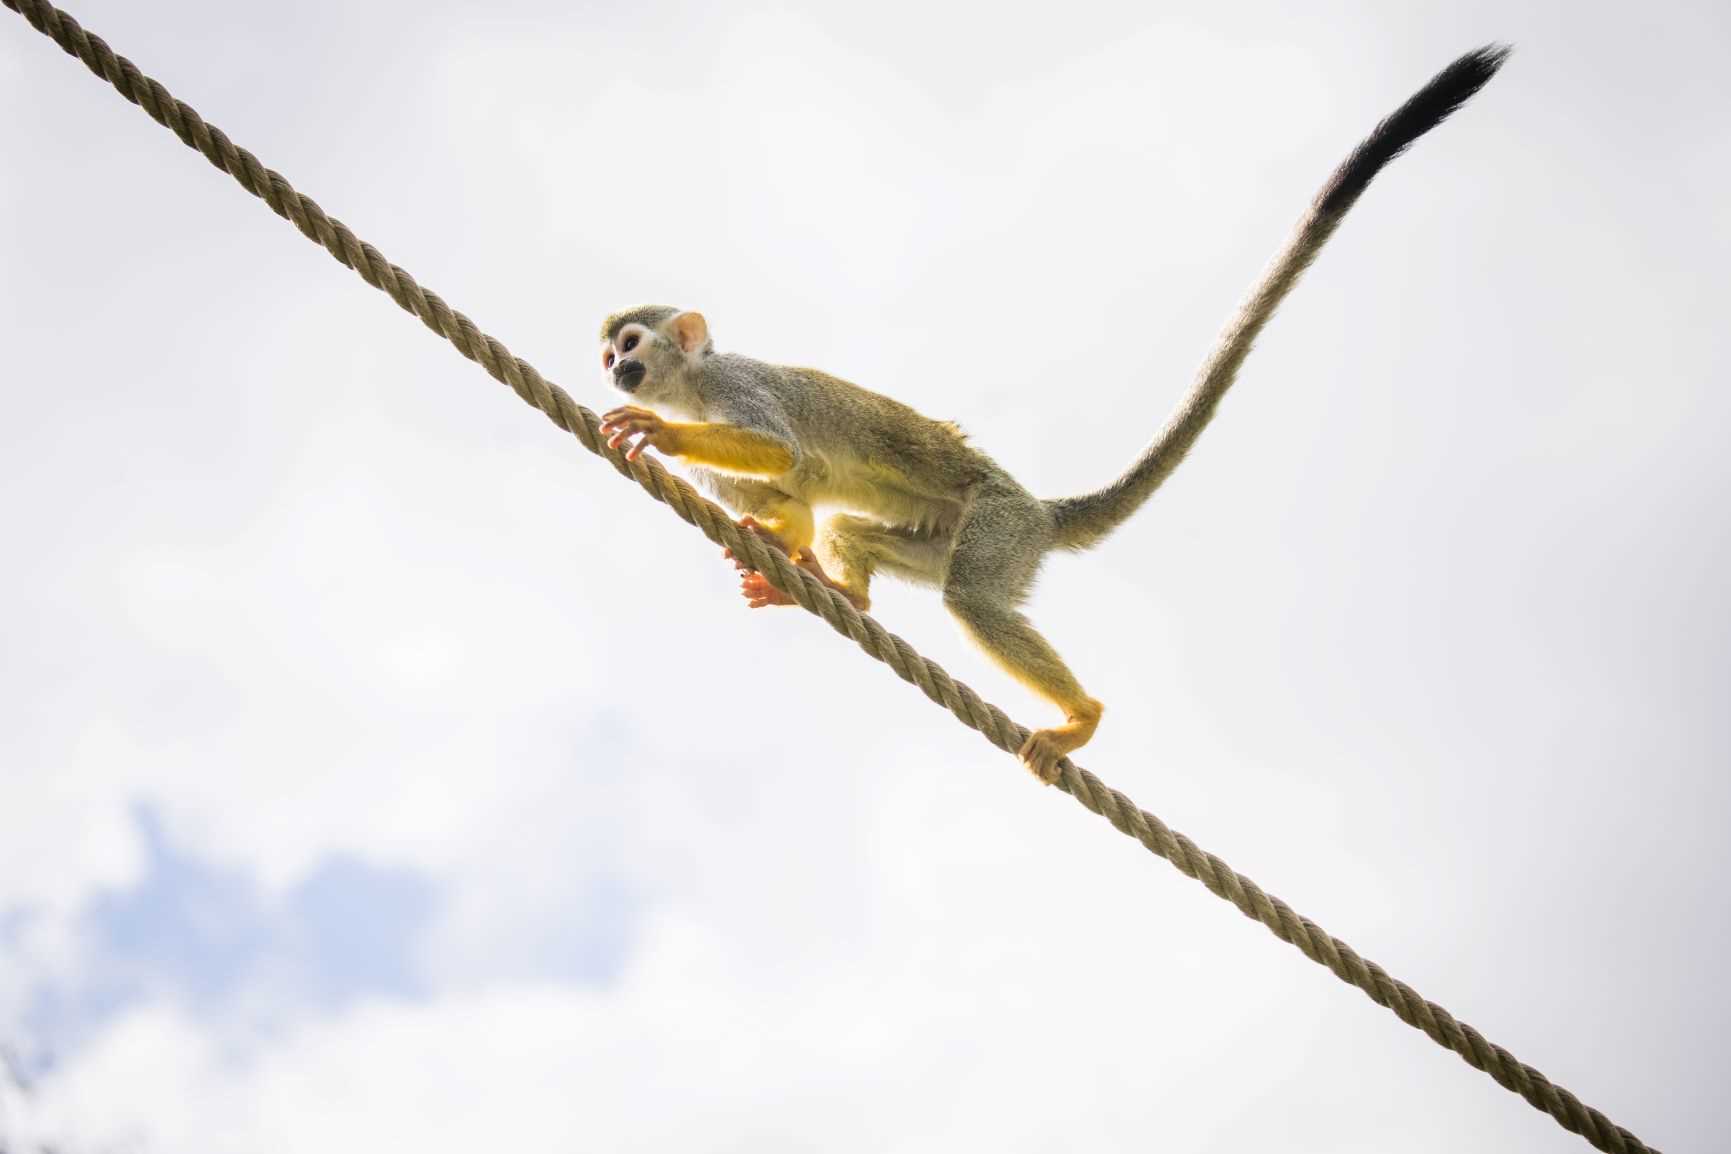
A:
(1008, 639)
(1004, 535)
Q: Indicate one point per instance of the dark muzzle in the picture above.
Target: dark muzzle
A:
(627, 375)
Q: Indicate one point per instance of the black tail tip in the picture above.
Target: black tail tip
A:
(1447, 91)
(1427, 108)
(1477, 66)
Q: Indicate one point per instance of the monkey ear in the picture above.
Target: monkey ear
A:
(690, 330)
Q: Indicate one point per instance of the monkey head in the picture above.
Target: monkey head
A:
(647, 352)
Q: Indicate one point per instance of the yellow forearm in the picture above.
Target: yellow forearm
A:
(728, 447)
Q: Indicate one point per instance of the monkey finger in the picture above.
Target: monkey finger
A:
(627, 415)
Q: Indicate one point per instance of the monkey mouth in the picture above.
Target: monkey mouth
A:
(628, 377)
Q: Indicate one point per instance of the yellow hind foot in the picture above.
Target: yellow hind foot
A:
(1045, 748)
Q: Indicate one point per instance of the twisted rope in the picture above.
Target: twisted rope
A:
(715, 523)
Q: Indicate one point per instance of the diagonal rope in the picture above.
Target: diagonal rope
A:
(714, 522)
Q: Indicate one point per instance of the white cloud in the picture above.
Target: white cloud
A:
(969, 993)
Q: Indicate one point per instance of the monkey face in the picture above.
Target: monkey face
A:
(651, 352)
(623, 358)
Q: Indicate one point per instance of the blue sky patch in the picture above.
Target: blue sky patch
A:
(203, 934)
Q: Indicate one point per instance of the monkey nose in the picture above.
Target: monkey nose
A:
(628, 375)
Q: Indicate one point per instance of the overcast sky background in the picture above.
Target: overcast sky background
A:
(380, 772)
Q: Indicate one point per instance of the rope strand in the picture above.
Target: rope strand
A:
(813, 596)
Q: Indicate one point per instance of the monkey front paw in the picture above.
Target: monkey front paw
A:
(628, 422)
(757, 589)
(758, 592)
(1042, 752)
(754, 586)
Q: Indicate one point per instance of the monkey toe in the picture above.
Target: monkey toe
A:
(1042, 752)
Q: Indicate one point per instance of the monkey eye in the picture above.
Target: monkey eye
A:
(607, 359)
(630, 342)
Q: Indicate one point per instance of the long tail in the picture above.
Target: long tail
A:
(1083, 521)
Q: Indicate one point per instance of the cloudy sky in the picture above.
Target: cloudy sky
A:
(380, 772)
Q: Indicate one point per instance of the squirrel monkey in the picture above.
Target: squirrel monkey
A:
(925, 505)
